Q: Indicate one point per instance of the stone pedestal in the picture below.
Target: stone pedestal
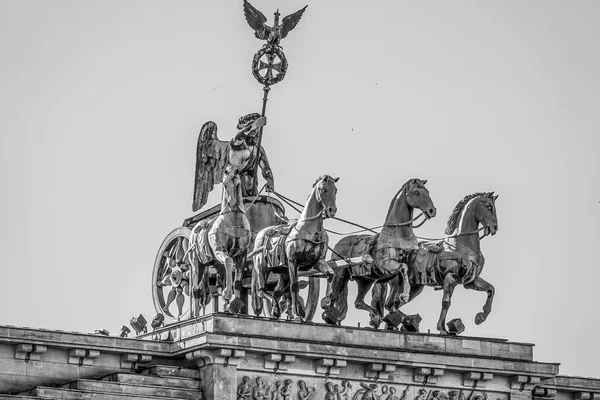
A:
(224, 356)
(278, 358)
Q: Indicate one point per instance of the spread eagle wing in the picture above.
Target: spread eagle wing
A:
(256, 20)
(212, 156)
(288, 23)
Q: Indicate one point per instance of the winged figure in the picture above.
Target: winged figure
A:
(214, 155)
(272, 35)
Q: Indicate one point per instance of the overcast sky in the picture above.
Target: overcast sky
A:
(101, 104)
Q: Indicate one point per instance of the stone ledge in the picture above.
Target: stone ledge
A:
(73, 340)
(318, 341)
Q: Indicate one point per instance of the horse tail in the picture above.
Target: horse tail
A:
(257, 301)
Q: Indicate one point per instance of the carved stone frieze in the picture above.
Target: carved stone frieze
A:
(277, 388)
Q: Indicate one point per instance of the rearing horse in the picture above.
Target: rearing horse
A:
(458, 259)
(223, 242)
(392, 250)
(286, 249)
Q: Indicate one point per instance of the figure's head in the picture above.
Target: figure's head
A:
(336, 387)
(278, 384)
(326, 192)
(246, 379)
(329, 386)
(417, 196)
(392, 390)
(259, 381)
(288, 382)
(384, 389)
(301, 384)
(247, 120)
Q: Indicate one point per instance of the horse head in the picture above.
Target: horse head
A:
(485, 213)
(417, 196)
(325, 193)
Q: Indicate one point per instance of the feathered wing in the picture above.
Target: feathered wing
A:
(256, 20)
(211, 159)
(288, 23)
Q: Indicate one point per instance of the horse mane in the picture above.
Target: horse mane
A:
(453, 220)
(323, 178)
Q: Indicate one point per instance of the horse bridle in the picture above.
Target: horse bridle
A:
(319, 200)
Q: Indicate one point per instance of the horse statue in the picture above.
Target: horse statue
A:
(223, 243)
(457, 259)
(287, 249)
(392, 251)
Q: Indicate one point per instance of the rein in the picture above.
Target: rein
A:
(291, 203)
(456, 235)
(408, 222)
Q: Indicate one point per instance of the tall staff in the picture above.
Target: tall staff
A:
(269, 64)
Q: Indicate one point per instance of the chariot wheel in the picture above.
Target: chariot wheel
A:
(309, 298)
(171, 276)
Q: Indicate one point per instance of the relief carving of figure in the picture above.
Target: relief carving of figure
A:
(303, 392)
(422, 394)
(369, 392)
(456, 395)
(330, 395)
(439, 395)
(392, 394)
(287, 389)
(260, 391)
(214, 155)
(479, 396)
(277, 394)
(244, 391)
(346, 392)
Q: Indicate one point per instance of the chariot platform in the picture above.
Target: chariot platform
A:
(224, 356)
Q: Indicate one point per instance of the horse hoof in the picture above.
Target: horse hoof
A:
(480, 318)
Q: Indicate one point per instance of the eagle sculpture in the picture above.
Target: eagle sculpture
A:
(272, 35)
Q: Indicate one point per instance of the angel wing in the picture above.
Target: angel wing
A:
(256, 20)
(290, 22)
(211, 159)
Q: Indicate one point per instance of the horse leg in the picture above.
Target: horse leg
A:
(260, 274)
(378, 297)
(363, 288)
(220, 244)
(483, 286)
(239, 261)
(449, 285)
(295, 289)
(229, 265)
